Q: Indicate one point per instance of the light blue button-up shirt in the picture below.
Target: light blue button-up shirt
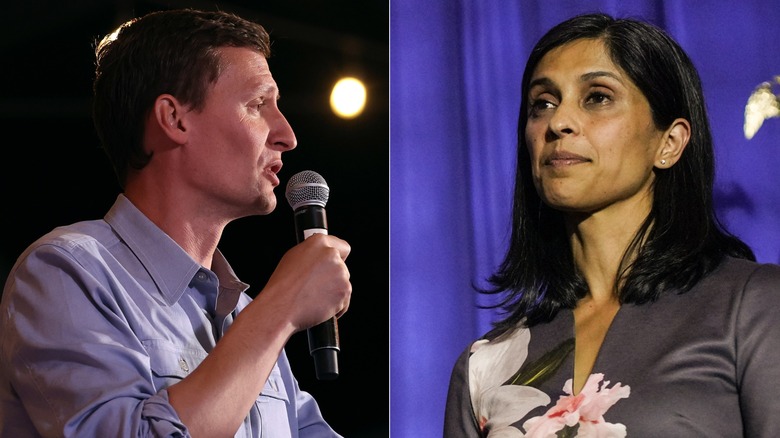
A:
(100, 317)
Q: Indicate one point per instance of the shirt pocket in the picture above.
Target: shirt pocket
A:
(170, 363)
(273, 405)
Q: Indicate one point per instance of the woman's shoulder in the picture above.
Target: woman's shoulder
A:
(749, 282)
(744, 270)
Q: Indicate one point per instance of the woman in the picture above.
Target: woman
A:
(629, 310)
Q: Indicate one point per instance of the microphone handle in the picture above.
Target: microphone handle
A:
(324, 337)
(324, 348)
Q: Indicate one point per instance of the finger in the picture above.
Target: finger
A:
(341, 245)
(345, 303)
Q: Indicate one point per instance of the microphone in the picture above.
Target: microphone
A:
(307, 192)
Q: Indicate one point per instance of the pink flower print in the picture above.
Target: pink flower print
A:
(586, 409)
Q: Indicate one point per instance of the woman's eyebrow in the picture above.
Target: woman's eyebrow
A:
(545, 81)
(599, 74)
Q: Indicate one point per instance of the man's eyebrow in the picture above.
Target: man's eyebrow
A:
(263, 86)
(266, 90)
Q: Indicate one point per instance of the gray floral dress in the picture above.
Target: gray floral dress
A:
(705, 363)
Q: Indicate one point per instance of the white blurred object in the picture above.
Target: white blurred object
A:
(761, 105)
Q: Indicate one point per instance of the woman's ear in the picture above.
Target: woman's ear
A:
(167, 114)
(673, 143)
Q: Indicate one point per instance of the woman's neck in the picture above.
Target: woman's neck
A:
(600, 241)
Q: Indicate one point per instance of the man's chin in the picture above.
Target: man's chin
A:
(265, 205)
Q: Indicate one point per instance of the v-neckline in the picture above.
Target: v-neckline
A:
(577, 385)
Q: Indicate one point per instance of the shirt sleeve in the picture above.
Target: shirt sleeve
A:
(758, 353)
(459, 418)
(303, 409)
(71, 357)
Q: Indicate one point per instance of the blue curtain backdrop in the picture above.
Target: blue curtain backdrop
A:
(455, 88)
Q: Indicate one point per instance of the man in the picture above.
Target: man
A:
(135, 324)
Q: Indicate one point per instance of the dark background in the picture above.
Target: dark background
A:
(55, 173)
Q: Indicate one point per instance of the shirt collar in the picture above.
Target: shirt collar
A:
(170, 267)
(228, 280)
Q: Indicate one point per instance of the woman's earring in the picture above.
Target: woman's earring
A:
(663, 162)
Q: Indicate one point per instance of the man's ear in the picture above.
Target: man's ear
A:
(167, 113)
(673, 143)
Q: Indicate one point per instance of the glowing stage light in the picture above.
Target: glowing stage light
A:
(348, 98)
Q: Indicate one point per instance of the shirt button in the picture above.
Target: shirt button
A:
(183, 365)
(201, 276)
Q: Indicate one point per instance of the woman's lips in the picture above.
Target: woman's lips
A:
(563, 158)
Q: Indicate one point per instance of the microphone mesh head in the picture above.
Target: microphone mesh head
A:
(307, 188)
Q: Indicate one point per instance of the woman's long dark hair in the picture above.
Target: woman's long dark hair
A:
(679, 242)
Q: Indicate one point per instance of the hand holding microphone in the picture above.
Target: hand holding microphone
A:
(307, 194)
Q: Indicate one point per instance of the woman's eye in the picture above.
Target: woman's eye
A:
(538, 105)
(597, 98)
